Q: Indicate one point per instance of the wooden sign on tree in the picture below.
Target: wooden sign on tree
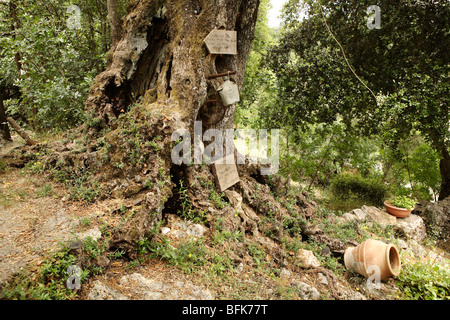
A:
(226, 174)
(221, 42)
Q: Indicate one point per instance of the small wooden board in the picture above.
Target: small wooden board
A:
(226, 175)
(221, 42)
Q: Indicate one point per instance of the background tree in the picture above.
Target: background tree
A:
(405, 64)
(51, 61)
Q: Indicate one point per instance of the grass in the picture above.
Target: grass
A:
(48, 282)
(423, 279)
(44, 191)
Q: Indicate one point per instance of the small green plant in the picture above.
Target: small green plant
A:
(186, 210)
(404, 202)
(85, 221)
(44, 191)
(148, 184)
(221, 234)
(217, 199)
(49, 281)
(424, 281)
(2, 167)
(36, 167)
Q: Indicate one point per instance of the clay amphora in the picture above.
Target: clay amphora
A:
(373, 255)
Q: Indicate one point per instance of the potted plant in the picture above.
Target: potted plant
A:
(401, 206)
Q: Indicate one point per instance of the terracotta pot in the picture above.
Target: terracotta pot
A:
(371, 255)
(395, 211)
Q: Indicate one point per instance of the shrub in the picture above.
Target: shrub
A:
(424, 282)
(348, 186)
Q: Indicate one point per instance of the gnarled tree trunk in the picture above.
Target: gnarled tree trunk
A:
(444, 167)
(4, 129)
(162, 59)
(157, 82)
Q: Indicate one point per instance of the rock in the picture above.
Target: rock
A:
(351, 295)
(306, 259)
(325, 251)
(75, 246)
(322, 278)
(401, 244)
(334, 244)
(381, 217)
(411, 227)
(192, 229)
(187, 227)
(102, 292)
(416, 249)
(93, 233)
(285, 273)
(359, 214)
(234, 198)
(102, 261)
(339, 220)
(348, 217)
(436, 216)
(306, 291)
(150, 289)
(177, 234)
(240, 267)
(164, 230)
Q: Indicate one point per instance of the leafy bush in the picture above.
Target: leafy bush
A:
(424, 282)
(347, 186)
(57, 63)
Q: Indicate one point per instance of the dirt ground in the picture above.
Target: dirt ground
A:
(36, 215)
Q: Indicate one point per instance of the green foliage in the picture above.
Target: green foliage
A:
(371, 190)
(44, 191)
(188, 256)
(258, 87)
(2, 167)
(78, 182)
(50, 283)
(186, 210)
(424, 165)
(404, 202)
(55, 64)
(424, 281)
(314, 85)
(85, 221)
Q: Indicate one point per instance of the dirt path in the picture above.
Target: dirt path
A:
(33, 219)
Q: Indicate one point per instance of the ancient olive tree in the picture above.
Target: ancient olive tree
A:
(157, 82)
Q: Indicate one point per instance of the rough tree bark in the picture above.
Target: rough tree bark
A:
(162, 58)
(3, 123)
(157, 82)
(115, 22)
(444, 167)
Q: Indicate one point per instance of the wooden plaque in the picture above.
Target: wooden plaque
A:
(226, 175)
(221, 42)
